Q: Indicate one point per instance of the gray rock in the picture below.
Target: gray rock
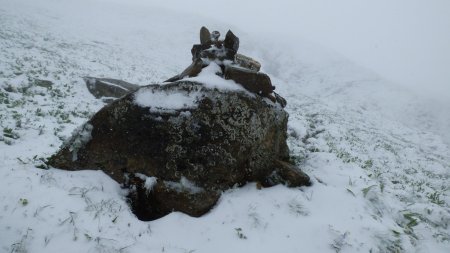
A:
(43, 83)
(108, 87)
(231, 43)
(215, 36)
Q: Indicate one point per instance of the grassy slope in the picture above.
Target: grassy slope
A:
(379, 185)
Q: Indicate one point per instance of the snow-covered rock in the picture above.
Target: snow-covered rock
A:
(207, 139)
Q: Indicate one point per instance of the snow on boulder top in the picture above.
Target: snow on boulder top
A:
(215, 64)
(159, 100)
(210, 79)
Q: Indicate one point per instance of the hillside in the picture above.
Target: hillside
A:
(380, 174)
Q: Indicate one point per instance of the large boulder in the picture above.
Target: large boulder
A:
(177, 146)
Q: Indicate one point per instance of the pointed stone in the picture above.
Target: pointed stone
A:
(192, 70)
(231, 41)
(205, 35)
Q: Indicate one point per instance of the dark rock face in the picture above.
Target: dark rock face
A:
(211, 142)
(167, 196)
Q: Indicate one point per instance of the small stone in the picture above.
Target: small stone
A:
(280, 100)
(108, 87)
(291, 175)
(247, 62)
(205, 36)
(215, 36)
(43, 83)
(197, 50)
(253, 81)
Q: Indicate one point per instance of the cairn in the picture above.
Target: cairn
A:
(237, 67)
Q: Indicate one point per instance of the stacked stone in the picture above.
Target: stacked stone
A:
(237, 67)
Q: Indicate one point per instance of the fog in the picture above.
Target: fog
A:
(404, 41)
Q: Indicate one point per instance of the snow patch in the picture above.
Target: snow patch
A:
(82, 136)
(85, 211)
(149, 182)
(184, 185)
(211, 80)
(165, 101)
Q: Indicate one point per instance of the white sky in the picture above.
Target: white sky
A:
(406, 41)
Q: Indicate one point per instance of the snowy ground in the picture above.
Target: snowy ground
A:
(380, 174)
